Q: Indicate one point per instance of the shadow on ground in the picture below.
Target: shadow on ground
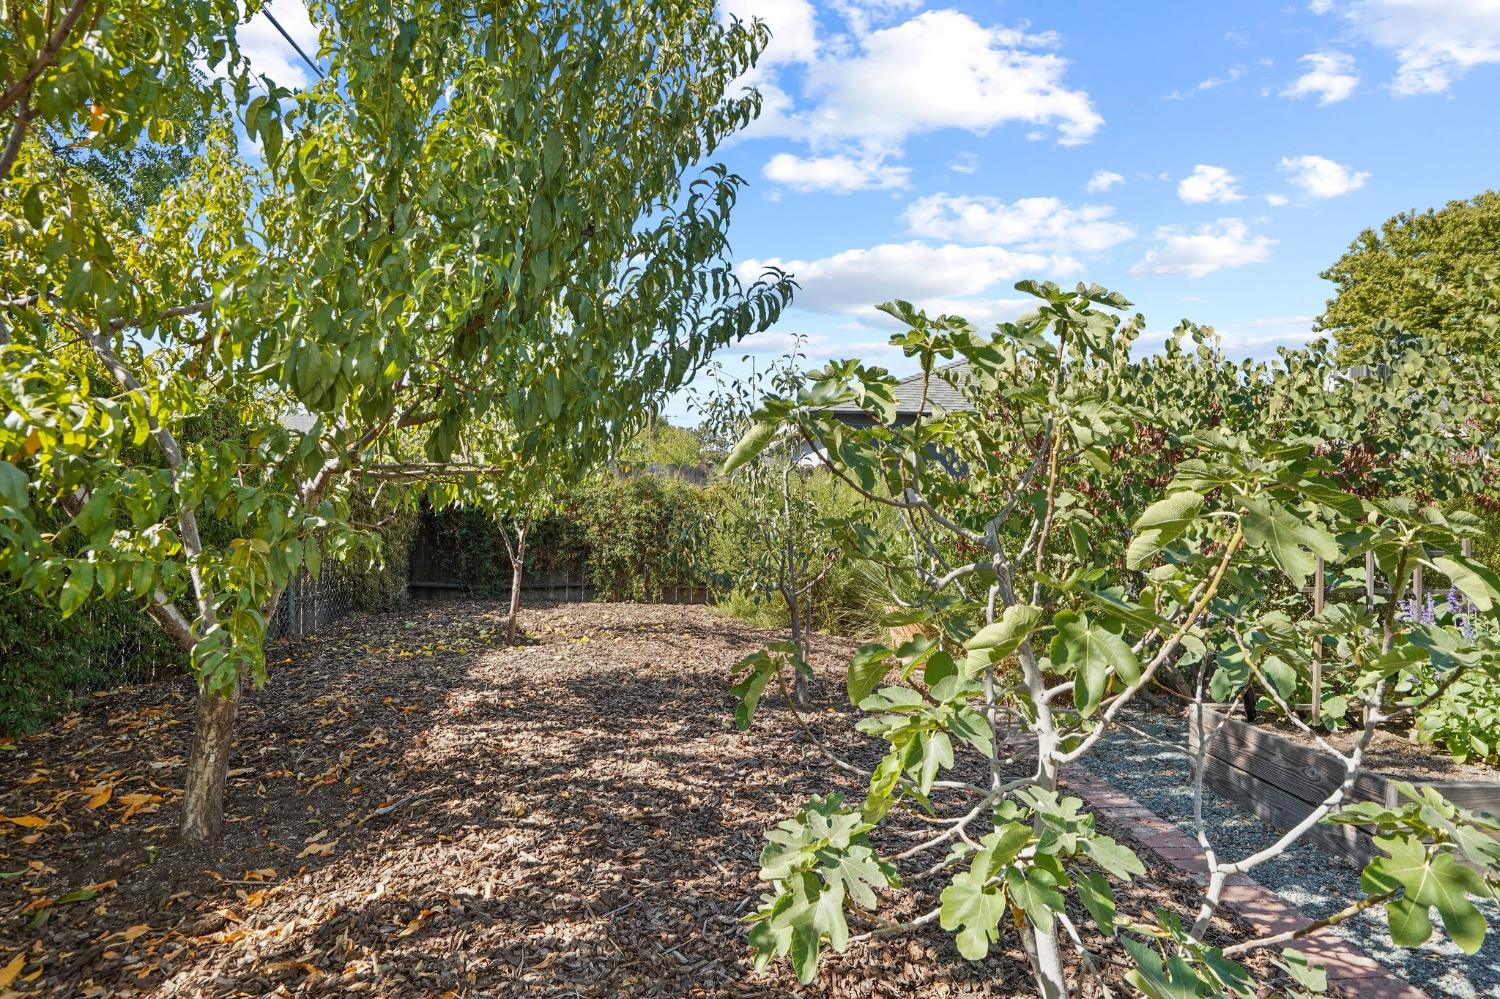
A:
(416, 810)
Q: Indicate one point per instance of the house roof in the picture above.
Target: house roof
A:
(908, 393)
(298, 419)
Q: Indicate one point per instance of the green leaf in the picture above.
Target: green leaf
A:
(1292, 541)
(76, 589)
(1430, 880)
(1175, 980)
(1035, 891)
(1098, 897)
(974, 909)
(937, 752)
(13, 483)
(761, 666)
(1410, 924)
(1087, 649)
(1234, 976)
(1003, 637)
(1282, 676)
(1161, 524)
(868, 669)
(756, 440)
(1115, 857)
(1476, 581)
(1313, 977)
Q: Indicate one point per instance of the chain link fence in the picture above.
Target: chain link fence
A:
(309, 605)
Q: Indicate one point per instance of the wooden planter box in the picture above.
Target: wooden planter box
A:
(1280, 781)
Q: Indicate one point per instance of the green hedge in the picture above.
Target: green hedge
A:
(641, 538)
(632, 539)
(382, 586)
(46, 663)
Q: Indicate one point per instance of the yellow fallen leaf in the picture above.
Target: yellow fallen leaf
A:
(138, 802)
(317, 849)
(29, 821)
(316, 836)
(10, 971)
(100, 796)
(132, 933)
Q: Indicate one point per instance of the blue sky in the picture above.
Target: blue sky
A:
(1207, 159)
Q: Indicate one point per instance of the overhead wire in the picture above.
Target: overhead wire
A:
(266, 10)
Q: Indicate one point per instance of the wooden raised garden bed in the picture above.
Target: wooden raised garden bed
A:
(1280, 781)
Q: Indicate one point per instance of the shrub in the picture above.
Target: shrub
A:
(46, 663)
(632, 539)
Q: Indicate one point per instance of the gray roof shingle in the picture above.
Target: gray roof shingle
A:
(908, 393)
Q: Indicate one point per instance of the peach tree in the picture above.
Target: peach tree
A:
(1091, 521)
(484, 227)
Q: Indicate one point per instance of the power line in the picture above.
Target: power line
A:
(266, 10)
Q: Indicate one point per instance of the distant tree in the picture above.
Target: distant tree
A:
(139, 174)
(664, 444)
(1434, 273)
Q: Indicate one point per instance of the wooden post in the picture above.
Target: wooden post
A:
(1467, 547)
(1317, 663)
(1370, 581)
(1416, 588)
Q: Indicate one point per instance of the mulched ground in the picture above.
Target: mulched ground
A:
(417, 810)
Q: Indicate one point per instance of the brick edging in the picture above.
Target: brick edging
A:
(1351, 972)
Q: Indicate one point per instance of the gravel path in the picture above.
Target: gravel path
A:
(1317, 883)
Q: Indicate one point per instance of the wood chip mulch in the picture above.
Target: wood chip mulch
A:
(417, 810)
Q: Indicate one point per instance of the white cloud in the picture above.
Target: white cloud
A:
(1260, 337)
(1103, 180)
(1044, 224)
(981, 312)
(854, 281)
(861, 13)
(1253, 338)
(1278, 200)
(1209, 183)
(1233, 75)
(793, 24)
(940, 69)
(1434, 41)
(839, 173)
(1319, 177)
(269, 53)
(818, 347)
(1330, 76)
(964, 163)
(1214, 247)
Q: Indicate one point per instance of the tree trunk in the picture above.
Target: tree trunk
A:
(208, 763)
(1046, 962)
(1041, 945)
(517, 572)
(800, 694)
